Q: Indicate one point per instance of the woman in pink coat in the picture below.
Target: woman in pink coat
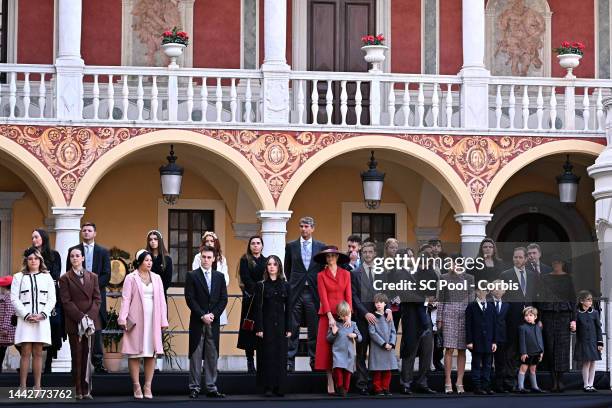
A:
(143, 317)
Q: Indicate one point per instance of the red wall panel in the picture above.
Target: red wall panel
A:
(216, 34)
(574, 24)
(451, 51)
(35, 32)
(101, 32)
(406, 36)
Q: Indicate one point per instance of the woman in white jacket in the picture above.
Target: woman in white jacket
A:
(33, 297)
(209, 238)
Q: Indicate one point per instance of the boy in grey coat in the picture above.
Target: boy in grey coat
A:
(531, 348)
(382, 343)
(343, 349)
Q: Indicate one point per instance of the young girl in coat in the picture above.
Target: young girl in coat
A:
(382, 343)
(343, 348)
(589, 340)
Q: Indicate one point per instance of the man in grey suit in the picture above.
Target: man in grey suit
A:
(301, 271)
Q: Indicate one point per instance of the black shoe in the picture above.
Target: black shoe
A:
(380, 394)
(268, 394)
(424, 390)
(194, 394)
(387, 393)
(215, 394)
(537, 391)
(438, 366)
(522, 391)
(490, 391)
(479, 391)
(406, 391)
(364, 391)
(250, 365)
(290, 367)
(99, 369)
(277, 392)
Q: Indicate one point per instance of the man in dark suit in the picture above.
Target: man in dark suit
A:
(522, 293)
(206, 296)
(301, 271)
(96, 259)
(534, 253)
(353, 243)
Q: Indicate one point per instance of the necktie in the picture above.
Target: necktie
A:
(88, 258)
(523, 282)
(368, 273)
(207, 276)
(497, 306)
(483, 306)
(537, 268)
(306, 254)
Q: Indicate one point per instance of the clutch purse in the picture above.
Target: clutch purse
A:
(14, 320)
(248, 324)
(129, 324)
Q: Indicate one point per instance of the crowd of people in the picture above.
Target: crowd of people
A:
(510, 331)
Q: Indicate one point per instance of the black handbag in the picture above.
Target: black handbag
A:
(14, 320)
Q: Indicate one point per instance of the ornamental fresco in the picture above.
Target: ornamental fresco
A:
(69, 152)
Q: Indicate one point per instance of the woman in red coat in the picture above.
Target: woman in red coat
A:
(334, 286)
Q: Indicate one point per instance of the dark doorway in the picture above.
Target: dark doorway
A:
(335, 29)
(533, 228)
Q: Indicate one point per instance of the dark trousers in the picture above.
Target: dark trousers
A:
(97, 349)
(499, 358)
(481, 370)
(422, 350)
(381, 380)
(361, 370)
(511, 365)
(438, 355)
(305, 306)
(79, 351)
(342, 378)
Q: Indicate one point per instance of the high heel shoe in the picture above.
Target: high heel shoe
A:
(448, 388)
(137, 391)
(460, 389)
(147, 391)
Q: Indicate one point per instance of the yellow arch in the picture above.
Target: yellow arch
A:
(176, 136)
(438, 171)
(36, 169)
(524, 159)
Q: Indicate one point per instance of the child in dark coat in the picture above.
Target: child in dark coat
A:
(343, 348)
(499, 356)
(531, 348)
(589, 340)
(480, 338)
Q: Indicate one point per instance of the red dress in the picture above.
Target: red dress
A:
(332, 290)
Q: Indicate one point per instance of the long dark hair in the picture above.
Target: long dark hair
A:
(495, 257)
(45, 248)
(161, 248)
(249, 255)
(280, 274)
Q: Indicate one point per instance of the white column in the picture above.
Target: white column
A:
(275, 69)
(67, 234)
(475, 88)
(69, 64)
(274, 231)
(6, 230)
(473, 231)
(601, 172)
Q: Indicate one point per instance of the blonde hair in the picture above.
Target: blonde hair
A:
(530, 310)
(343, 309)
(24, 266)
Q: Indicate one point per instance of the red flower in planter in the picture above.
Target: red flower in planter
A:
(565, 44)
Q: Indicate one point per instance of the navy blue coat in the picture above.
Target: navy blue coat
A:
(500, 330)
(480, 327)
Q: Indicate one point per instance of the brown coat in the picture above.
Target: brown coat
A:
(80, 299)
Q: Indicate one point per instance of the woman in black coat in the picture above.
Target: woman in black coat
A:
(53, 262)
(251, 270)
(493, 265)
(556, 302)
(162, 263)
(272, 327)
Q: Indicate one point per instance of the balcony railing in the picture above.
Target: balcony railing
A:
(386, 101)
